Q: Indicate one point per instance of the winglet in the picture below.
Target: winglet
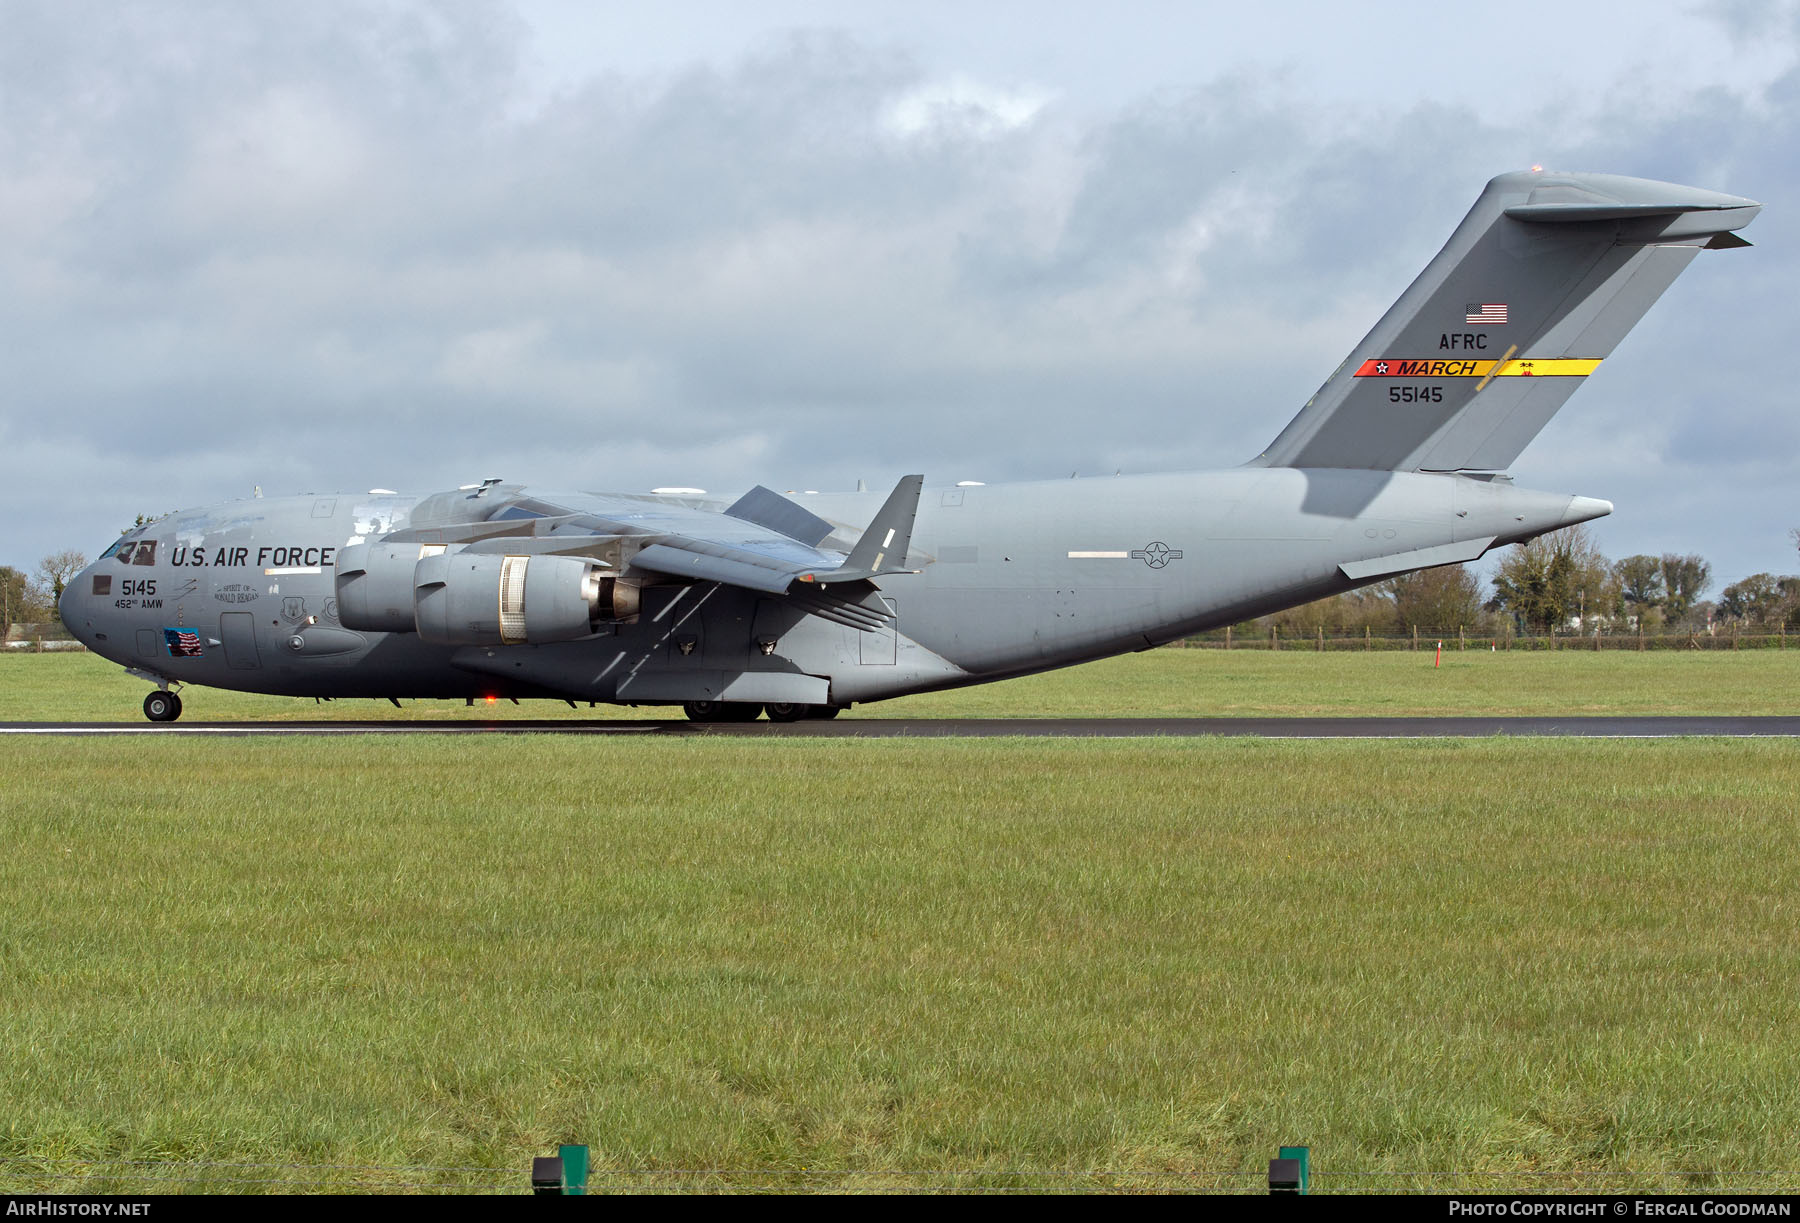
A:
(882, 548)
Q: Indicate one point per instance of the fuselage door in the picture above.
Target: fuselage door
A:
(878, 647)
(238, 632)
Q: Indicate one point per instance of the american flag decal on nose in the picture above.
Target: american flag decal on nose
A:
(183, 643)
(1491, 312)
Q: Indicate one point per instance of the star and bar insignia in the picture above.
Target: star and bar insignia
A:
(1156, 554)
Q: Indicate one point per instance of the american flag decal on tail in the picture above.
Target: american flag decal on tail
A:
(1491, 312)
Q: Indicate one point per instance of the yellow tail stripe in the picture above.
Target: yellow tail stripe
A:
(1560, 367)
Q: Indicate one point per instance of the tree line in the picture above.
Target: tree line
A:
(31, 598)
(1556, 583)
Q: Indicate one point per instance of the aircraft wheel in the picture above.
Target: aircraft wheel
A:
(786, 711)
(722, 711)
(824, 712)
(161, 706)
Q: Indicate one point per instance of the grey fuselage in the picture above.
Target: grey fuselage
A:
(1010, 579)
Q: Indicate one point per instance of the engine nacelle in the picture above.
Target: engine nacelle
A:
(375, 585)
(469, 598)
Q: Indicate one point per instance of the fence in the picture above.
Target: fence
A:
(1460, 637)
(36, 638)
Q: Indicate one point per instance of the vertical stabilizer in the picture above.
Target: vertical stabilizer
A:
(1535, 288)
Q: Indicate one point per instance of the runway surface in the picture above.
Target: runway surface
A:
(945, 728)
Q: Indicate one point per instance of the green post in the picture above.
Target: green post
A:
(1301, 1154)
(575, 1170)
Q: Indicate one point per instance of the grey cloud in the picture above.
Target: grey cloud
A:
(338, 246)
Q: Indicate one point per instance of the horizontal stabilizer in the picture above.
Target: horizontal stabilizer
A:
(1418, 558)
(1568, 214)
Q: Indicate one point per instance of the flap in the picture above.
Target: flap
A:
(677, 562)
(1418, 558)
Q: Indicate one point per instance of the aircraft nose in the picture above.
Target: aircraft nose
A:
(72, 607)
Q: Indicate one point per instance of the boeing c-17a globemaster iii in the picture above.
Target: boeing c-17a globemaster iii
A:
(800, 605)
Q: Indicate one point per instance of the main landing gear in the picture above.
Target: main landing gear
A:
(740, 711)
(162, 706)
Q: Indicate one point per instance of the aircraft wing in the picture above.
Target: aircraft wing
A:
(762, 542)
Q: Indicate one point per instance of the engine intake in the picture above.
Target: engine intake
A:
(375, 585)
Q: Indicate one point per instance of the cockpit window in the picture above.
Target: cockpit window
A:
(146, 552)
(114, 548)
(125, 550)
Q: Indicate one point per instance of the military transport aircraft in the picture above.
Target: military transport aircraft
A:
(800, 605)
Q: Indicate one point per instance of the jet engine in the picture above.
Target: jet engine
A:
(375, 585)
(477, 598)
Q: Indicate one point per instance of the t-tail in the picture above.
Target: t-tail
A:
(1535, 288)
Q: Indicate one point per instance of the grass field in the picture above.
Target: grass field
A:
(1158, 683)
(977, 963)
(854, 964)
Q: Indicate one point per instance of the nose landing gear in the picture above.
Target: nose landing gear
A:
(162, 706)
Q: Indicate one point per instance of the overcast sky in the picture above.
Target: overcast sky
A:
(336, 246)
